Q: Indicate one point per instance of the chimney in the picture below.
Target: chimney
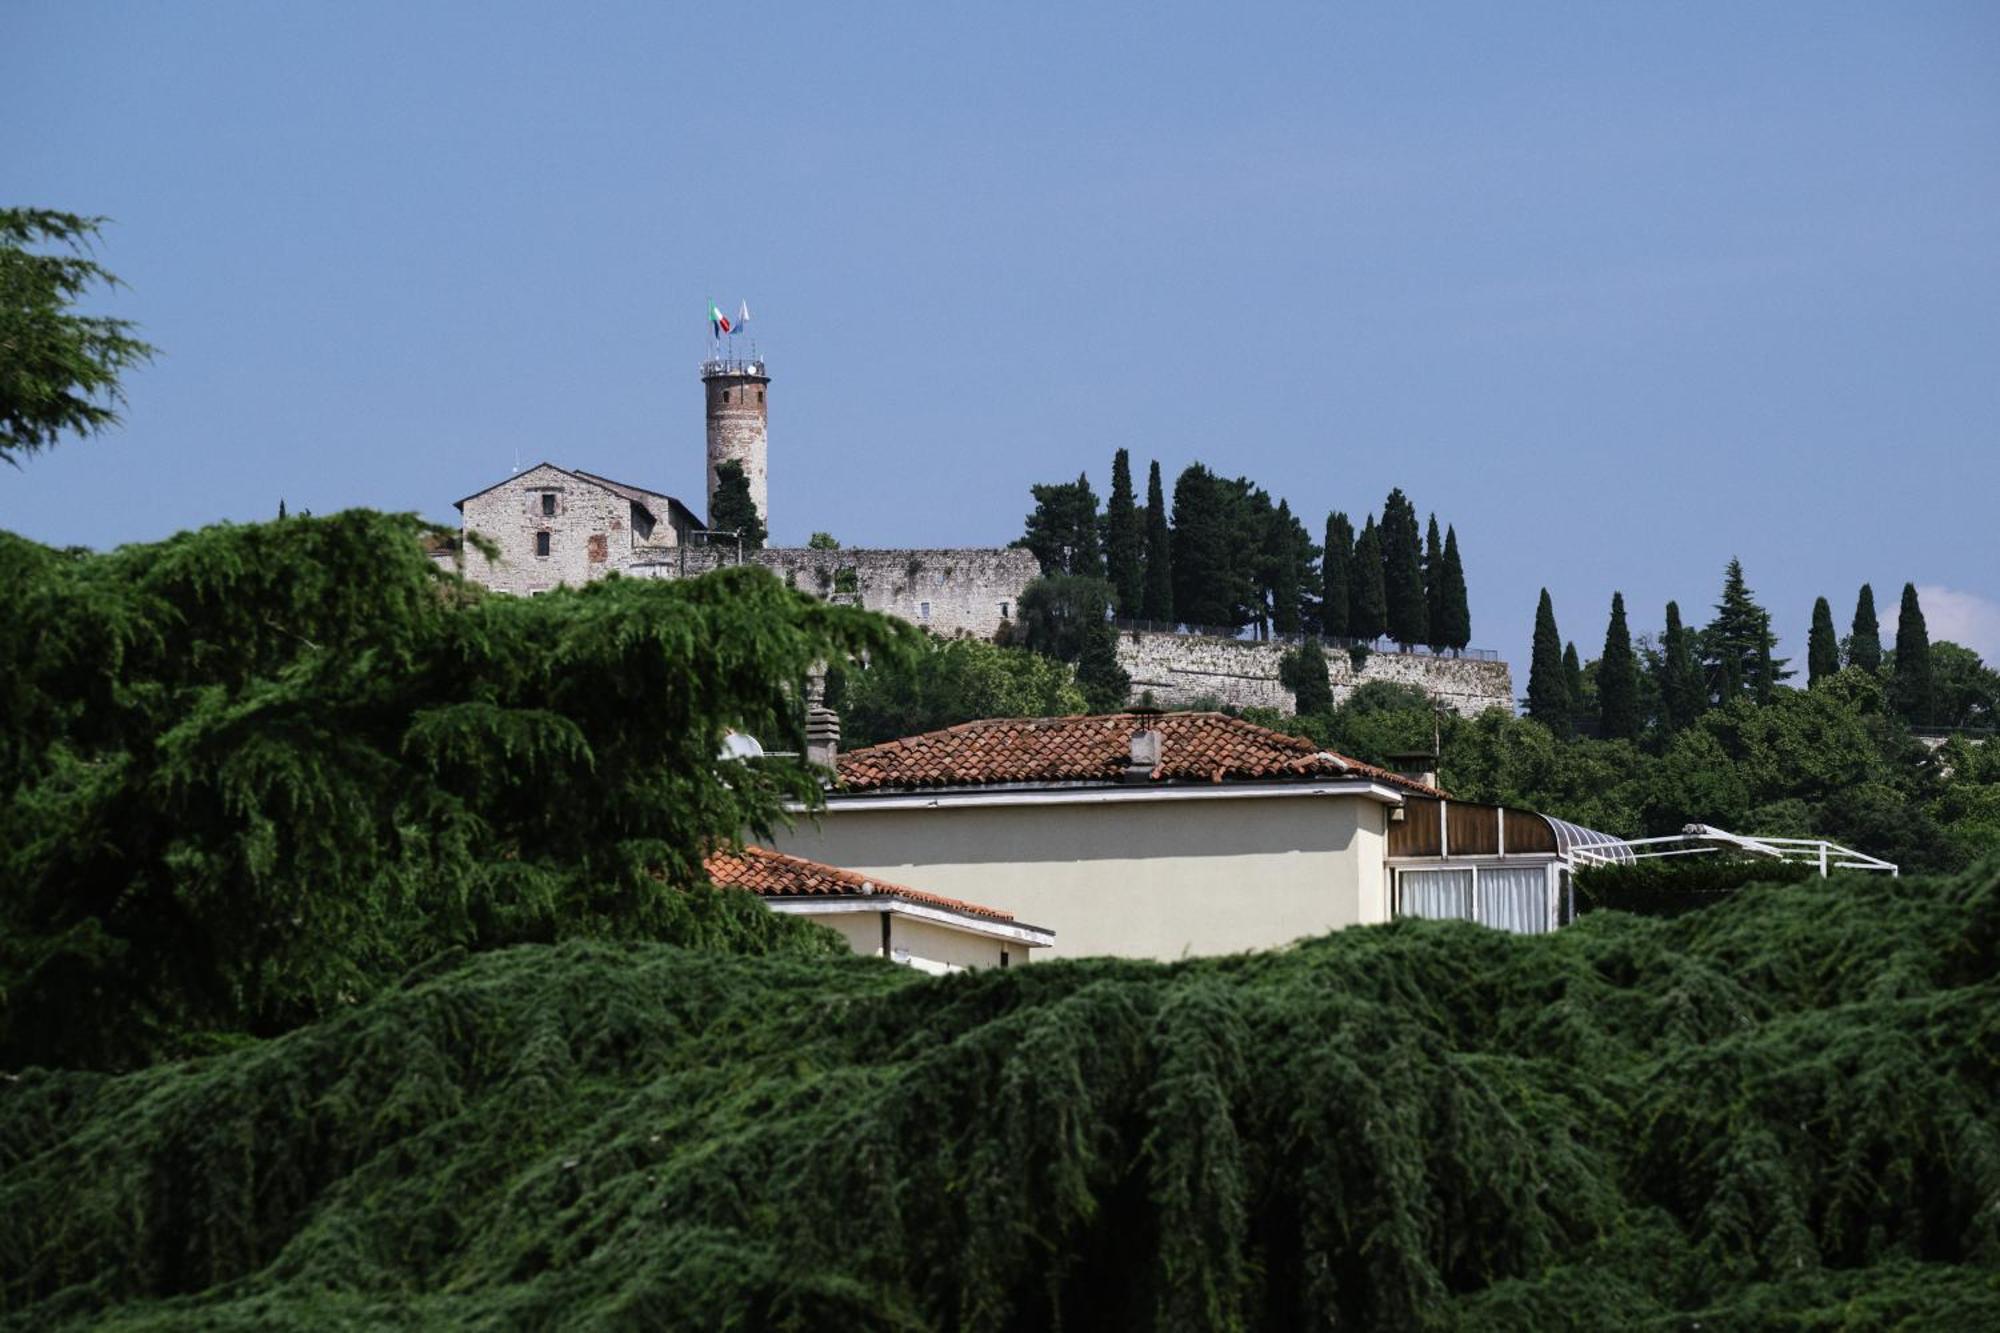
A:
(822, 723)
(1416, 765)
(1145, 756)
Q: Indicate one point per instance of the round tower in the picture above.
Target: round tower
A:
(735, 391)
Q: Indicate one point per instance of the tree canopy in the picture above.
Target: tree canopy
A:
(734, 509)
(60, 371)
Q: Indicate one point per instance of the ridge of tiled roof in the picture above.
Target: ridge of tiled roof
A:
(778, 875)
(1194, 747)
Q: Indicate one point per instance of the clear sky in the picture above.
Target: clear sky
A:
(1621, 290)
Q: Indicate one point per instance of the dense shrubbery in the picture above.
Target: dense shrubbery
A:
(947, 681)
(1776, 1113)
(254, 773)
(1671, 886)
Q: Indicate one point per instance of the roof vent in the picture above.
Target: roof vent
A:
(1145, 756)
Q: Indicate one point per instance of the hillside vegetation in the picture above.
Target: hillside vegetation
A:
(1779, 1112)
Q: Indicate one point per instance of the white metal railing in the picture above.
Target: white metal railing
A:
(1697, 839)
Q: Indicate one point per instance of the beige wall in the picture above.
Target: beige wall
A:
(925, 940)
(590, 534)
(1148, 879)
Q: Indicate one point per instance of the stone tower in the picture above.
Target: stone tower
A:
(736, 425)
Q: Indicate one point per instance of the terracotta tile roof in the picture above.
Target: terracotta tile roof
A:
(1194, 747)
(775, 875)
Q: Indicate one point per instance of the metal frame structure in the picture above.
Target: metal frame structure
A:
(1699, 839)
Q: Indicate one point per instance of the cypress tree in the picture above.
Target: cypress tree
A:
(1822, 648)
(1403, 571)
(1618, 679)
(1681, 692)
(1158, 601)
(1303, 671)
(1548, 689)
(1457, 630)
(1281, 569)
(1203, 554)
(1911, 687)
(1124, 539)
(1336, 576)
(1579, 713)
(733, 510)
(1434, 614)
(1367, 602)
(1864, 649)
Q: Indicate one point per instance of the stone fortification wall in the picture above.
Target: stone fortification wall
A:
(949, 592)
(1180, 668)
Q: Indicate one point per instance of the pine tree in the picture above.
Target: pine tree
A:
(1911, 687)
(1737, 645)
(1367, 601)
(1864, 649)
(1456, 632)
(1061, 531)
(1303, 671)
(1822, 648)
(1402, 571)
(1434, 613)
(1125, 539)
(1548, 688)
(1336, 576)
(1682, 695)
(732, 509)
(1618, 679)
(1158, 602)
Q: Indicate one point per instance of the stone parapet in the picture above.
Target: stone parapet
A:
(1178, 669)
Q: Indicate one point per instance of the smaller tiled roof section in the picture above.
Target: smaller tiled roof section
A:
(775, 875)
(1194, 747)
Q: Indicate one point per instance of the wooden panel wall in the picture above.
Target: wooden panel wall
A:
(1418, 834)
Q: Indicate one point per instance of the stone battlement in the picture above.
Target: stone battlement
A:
(1178, 669)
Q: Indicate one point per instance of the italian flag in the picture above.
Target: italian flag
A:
(717, 321)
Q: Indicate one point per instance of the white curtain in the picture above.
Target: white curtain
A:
(1514, 898)
(1440, 895)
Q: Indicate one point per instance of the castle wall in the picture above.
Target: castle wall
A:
(949, 592)
(1181, 668)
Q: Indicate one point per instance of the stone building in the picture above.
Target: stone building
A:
(560, 525)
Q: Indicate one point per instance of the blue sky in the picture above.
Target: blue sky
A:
(1621, 290)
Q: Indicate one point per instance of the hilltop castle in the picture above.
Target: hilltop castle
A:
(554, 525)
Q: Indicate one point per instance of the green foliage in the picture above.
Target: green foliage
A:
(254, 773)
(1402, 571)
(1158, 605)
(1368, 598)
(950, 681)
(1965, 692)
(1910, 686)
(1682, 694)
(1671, 887)
(1125, 538)
(1548, 687)
(1774, 1113)
(733, 509)
(1303, 671)
(1062, 529)
(1456, 631)
(1067, 617)
(1434, 614)
(1336, 576)
(1864, 648)
(1618, 679)
(59, 371)
(1286, 570)
(1822, 646)
(822, 541)
(1737, 645)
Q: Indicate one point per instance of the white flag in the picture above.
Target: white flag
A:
(743, 317)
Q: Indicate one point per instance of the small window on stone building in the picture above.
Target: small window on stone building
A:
(1003, 610)
(541, 543)
(725, 395)
(549, 503)
(923, 610)
(760, 395)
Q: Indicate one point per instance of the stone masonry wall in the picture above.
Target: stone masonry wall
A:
(1180, 668)
(949, 592)
(590, 533)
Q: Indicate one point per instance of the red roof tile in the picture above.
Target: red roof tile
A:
(775, 875)
(1194, 747)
